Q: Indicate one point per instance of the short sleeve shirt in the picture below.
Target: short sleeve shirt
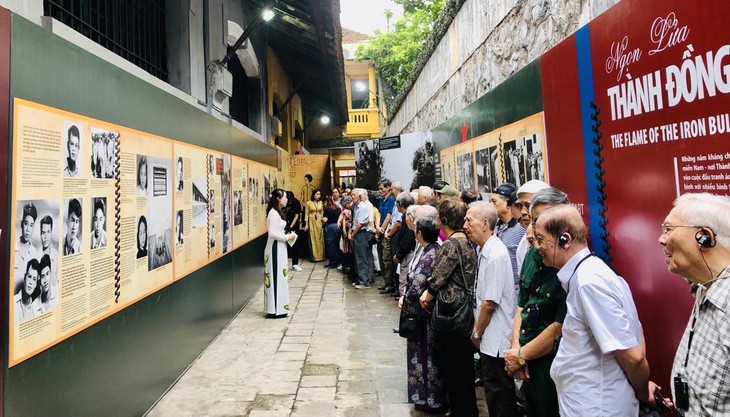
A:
(601, 319)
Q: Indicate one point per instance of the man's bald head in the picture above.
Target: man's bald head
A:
(561, 219)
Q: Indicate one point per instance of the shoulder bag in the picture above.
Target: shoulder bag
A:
(409, 325)
(454, 318)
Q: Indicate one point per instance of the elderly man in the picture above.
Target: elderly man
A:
(524, 198)
(537, 322)
(495, 305)
(362, 231)
(425, 196)
(447, 191)
(696, 241)
(508, 229)
(600, 368)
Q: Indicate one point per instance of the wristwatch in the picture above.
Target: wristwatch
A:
(520, 359)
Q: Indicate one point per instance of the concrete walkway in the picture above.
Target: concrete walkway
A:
(336, 355)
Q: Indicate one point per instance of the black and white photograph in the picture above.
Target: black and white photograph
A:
(211, 201)
(368, 164)
(514, 161)
(73, 149)
(179, 228)
(534, 158)
(37, 234)
(237, 207)
(72, 220)
(159, 207)
(212, 235)
(510, 163)
(98, 238)
(465, 170)
(486, 166)
(408, 158)
(200, 202)
(104, 159)
(179, 174)
(482, 163)
(159, 252)
(227, 227)
(142, 173)
(141, 237)
(251, 192)
(267, 186)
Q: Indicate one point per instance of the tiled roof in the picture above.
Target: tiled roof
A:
(350, 36)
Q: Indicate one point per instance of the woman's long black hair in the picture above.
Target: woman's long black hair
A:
(274, 198)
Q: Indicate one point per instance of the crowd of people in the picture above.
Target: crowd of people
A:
(556, 329)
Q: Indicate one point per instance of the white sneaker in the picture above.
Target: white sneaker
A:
(339, 267)
(296, 268)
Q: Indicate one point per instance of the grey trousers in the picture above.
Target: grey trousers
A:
(363, 258)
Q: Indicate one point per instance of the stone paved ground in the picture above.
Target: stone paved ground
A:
(336, 355)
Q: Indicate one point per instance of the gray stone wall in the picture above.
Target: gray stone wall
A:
(488, 41)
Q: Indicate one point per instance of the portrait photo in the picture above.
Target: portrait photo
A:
(72, 220)
(98, 223)
(141, 237)
(179, 226)
(72, 151)
(142, 173)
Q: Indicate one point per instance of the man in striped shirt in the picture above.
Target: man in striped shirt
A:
(508, 229)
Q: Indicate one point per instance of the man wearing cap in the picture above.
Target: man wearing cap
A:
(448, 191)
(538, 321)
(524, 198)
(508, 229)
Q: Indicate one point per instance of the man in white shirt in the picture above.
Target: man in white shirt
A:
(600, 368)
(362, 229)
(494, 309)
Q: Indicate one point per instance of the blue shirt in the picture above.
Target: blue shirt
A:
(386, 205)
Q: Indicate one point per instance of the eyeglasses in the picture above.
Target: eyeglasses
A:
(669, 228)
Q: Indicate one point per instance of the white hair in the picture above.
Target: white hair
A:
(707, 210)
(426, 191)
(486, 211)
(397, 185)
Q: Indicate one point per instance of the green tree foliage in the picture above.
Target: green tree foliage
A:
(394, 53)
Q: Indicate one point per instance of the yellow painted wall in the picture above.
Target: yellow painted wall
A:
(278, 90)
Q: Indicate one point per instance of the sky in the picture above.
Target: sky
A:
(365, 16)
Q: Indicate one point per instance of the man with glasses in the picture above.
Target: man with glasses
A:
(600, 368)
(524, 198)
(538, 319)
(696, 242)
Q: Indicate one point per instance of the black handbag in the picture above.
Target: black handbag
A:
(454, 318)
(409, 325)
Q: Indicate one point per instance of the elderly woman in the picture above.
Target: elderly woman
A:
(426, 388)
(454, 270)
